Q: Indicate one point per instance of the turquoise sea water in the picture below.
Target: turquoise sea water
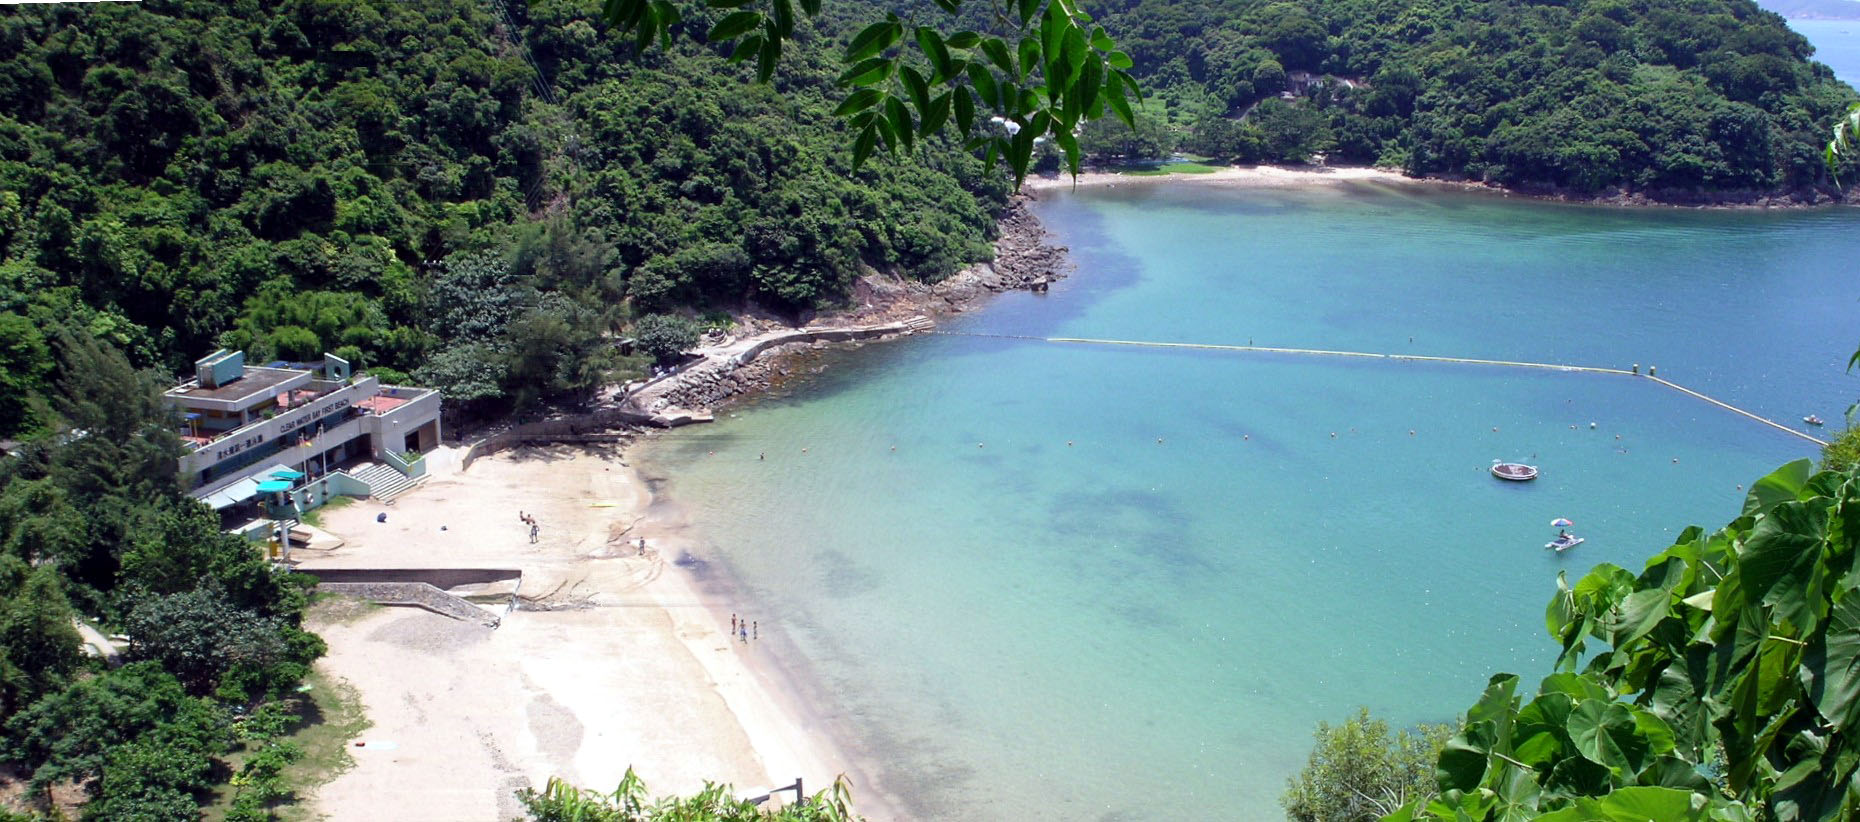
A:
(1837, 43)
(1074, 620)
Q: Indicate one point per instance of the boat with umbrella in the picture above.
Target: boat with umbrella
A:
(1564, 539)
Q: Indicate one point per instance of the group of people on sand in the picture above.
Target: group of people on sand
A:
(745, 629)
(535, 530)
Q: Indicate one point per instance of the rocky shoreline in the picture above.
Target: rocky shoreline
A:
(884, 307)
(1658, 198)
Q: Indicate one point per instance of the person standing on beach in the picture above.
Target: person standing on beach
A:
(732, 623)
(755, 629)
(743, 631)
(534, 530)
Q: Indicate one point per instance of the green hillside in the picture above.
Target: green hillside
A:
(1665, 96)
(476, 193)
(478, 185)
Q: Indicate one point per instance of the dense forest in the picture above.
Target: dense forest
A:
(1680, 96)
(479, 191)
(478, 196)
(94, 524)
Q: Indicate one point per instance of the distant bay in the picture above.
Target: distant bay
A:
(1836, 42)
(1049, 581)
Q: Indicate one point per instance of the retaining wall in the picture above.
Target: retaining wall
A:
(441, 578)
(417, 594)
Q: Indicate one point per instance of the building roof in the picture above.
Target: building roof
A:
(242, 489)
(255, 382)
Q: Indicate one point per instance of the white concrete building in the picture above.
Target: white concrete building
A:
(243, 424)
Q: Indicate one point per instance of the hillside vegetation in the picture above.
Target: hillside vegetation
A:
(1654, 95)
(479, 194)
(481, 189)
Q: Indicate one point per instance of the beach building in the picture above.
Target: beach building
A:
(302, 432)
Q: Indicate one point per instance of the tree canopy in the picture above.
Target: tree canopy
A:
(94, 525)
(1692, 96)
(317, 175)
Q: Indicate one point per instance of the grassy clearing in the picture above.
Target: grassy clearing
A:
(330, 715)
(315, 518)
(1173, 167)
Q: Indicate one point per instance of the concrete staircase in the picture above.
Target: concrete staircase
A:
(384, 482)
(919, 324)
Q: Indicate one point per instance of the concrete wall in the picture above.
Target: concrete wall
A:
(437, 577)
(388, 432)
(822, 335)
(595, 426)
(417, 594)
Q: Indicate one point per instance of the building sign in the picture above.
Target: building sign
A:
(248, 442)
(328, 407)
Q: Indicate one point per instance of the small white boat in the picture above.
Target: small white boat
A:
(1564, 542)
(1812, 420)
(1514, 471)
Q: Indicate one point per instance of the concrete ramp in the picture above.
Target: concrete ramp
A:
(416, 594)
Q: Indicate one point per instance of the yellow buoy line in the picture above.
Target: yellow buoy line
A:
(1590, 369)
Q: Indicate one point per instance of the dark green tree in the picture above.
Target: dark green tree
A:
(664, 336)
(38, 644)
(70, 734)
(25, 364)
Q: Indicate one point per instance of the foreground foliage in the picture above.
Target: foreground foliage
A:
(1726, 685)
(630, 802)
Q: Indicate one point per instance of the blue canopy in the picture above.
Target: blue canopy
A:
(273, 486)
(287, 475)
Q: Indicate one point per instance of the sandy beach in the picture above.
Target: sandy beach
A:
(1236, 176)
(626, 661)
(634, 669)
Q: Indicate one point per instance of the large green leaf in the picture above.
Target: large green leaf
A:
(1618, 737)
(733, 25)
(873, 39)
(1831, 667)
(1636, 614)
(1676, 700)
(938, 54)
(1781, 485)
(985, 85)
(934, 115)
(869, 72)
(859, 100)
(1540, 734)
(900, 117)
(997, 52)
(1781, 562)
(916, 86)
(1645, 804)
